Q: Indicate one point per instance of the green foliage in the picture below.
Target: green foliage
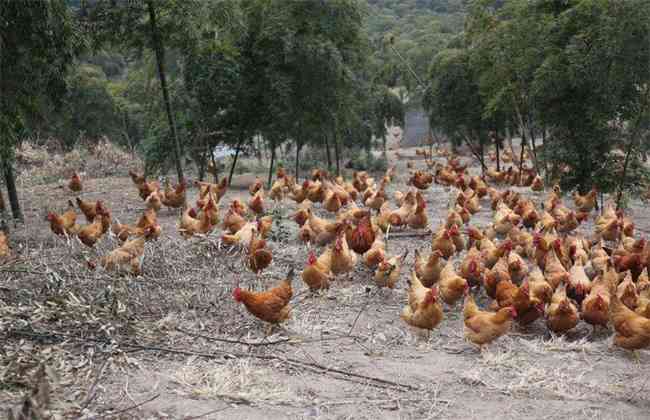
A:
(39, 40)
(368, 162)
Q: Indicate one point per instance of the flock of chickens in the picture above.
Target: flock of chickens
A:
(529, 260)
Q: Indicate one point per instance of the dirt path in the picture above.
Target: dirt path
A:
(353, 328)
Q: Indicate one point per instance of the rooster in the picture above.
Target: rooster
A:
(361, 237)
(75, 183)
(64, 224)
(271, 305)
(423, 310)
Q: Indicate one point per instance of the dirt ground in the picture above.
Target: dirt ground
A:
(172, 343)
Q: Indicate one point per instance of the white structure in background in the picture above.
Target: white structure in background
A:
(222, 151)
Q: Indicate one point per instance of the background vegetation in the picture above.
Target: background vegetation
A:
(171, 79)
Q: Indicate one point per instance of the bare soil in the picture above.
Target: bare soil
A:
(172, 343)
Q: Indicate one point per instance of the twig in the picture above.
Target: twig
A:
(378, 382)
(225, 340)
(354, 324)
(91, 392)
(411, 235)
(206, 414)
(133, 407)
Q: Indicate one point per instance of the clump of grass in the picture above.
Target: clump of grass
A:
(235, 379)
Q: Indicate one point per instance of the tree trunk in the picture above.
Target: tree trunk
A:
(383, 142)
(329, 154)
(544, 145)
(498, 149)
(234, 161)
(482, 160)
(621, 181)
(215, 174)
(203, 163)
(337, 155)
(12, 193)
(160, 59)
(268, 182)
(522, 145)
(298, 147)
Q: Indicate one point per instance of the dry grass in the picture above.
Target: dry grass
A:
(238, 379)
(106, 329)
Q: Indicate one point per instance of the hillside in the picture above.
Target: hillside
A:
(420, 27)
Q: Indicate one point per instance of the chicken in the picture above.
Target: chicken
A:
(174, 198)
(209, 207)
(528, 309)
(331, 203)
(442, 242)
(298, 193)
(607, 225)
(400, 216)
(423, 310)
(376, 253)
(595, 306)
(632, 329)
(419, 219)
(451, 286)
(554, 271)
(493, 276)
(88, 209)
(491, 253)
(388, 271)
(482, 327)
(75, 183)
(242, 236)
(538, 184)
(643, 301)
(421, 180)
(259, 257)
(221, 189)
(341, 259)
(306, 234)
(255, 186)
(256, 203)
(529, 215)
(632, 263)
(325, 231)
(578, 285)
(454, 219)
(472, 268)
(191, 225)
(129, 256)
(540, 290)
(64, 224)
(381, 219)
(505, 292)
(264, 226)
(315, 191)
(271, 305)
(587, 202)
(136, 178)
(91, 233)
(561, 314)
(505, 219)
(517, 267)
(377, 199)
(361, 237)
(626, 292)
(233, 221)
(301, 215)
(316, 274)
(5, 251)
(429, 269)
(154, 201)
